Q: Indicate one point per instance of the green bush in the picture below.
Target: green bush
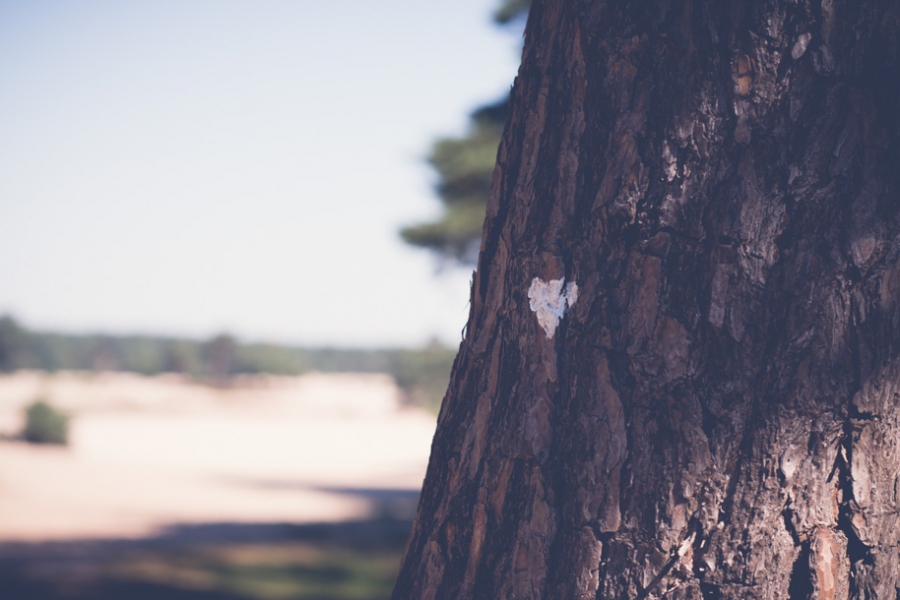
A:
(45, 424)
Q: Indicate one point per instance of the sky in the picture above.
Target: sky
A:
(190, 167)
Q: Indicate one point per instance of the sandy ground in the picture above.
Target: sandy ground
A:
(151, 452)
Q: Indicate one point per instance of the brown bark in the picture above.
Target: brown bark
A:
(717, 414)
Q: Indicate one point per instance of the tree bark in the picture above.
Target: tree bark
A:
(714, 412)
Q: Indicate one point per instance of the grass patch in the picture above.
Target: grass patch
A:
(295, 570)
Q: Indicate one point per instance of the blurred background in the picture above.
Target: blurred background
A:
(236, 240)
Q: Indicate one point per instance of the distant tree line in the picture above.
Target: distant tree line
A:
(422, 374)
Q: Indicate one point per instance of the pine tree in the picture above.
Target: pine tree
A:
(464, 167)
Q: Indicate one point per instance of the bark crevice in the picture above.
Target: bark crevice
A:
(801, 583)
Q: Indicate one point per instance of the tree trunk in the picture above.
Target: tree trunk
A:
(680, 376)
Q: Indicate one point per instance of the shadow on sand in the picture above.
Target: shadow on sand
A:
(354, 560)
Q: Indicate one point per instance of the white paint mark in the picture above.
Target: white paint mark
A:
(549, 302)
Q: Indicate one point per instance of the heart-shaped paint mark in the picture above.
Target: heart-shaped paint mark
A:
(549, 302)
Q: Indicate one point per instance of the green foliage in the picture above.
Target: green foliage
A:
(181, 356)
(510, 10)
(465, 166)
(44, 424)
(12, 343)
(272, 359)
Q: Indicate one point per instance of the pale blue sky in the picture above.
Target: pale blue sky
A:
(192, 166)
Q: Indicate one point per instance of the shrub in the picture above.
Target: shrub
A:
(45, 424)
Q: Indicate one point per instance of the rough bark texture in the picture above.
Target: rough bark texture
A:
(717, 414)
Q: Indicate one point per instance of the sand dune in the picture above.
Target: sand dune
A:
(150, 452)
